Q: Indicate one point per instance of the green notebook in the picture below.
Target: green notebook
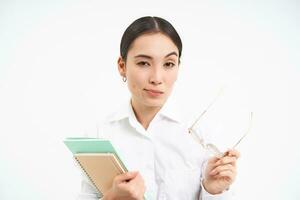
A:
(91, 145)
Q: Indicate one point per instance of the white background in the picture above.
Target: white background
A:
(58, 78)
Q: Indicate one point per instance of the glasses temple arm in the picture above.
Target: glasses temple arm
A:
(248, 130)
(208, 107)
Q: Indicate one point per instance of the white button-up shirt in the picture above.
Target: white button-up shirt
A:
(169, 160)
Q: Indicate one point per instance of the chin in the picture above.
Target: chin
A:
(155, 102)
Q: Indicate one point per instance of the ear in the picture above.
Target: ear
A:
(121, 67)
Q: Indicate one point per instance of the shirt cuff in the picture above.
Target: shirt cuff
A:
(204, 195)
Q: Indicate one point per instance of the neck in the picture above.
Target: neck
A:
(144, 114)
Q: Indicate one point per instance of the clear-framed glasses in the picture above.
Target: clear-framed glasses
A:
(209, 146)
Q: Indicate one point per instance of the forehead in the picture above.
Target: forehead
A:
(152, 44)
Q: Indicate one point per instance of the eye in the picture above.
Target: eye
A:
(169, 64)
(143, 64)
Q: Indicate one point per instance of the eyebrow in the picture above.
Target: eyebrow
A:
(149, 57)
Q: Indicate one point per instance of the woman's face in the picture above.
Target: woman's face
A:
(151, 69)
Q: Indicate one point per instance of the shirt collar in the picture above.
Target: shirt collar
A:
(170, 110)
(124, 111)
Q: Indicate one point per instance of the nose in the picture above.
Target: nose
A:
(156, 76)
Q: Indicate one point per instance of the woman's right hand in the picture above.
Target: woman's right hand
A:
(127, 186)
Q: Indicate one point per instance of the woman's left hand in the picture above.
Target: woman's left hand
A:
(220, 172)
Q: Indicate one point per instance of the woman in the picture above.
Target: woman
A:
(163, 161)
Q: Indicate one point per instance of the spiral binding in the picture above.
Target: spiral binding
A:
(88, 176)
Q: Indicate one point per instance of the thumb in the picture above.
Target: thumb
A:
(127, 176)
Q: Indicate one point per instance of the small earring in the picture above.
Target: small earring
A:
(124, 79)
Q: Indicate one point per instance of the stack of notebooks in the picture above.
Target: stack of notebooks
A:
(98, 160)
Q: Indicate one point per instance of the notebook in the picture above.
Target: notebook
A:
(98, 159)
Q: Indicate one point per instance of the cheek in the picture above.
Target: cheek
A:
(171, 79)
(136, 80)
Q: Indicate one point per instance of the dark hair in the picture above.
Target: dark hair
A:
(146, 25)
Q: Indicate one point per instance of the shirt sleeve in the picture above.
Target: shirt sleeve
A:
(204, 195)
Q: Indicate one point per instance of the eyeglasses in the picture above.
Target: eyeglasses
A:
(209, 146)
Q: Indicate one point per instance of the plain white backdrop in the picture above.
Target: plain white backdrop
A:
(59, 78)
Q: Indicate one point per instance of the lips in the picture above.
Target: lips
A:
(154, 91)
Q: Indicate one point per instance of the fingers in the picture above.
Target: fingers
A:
(137, 186)
(232, 153)
(225, 165)
(222, 168)
(225, 160)
(228, 175)
(230, 157)
(225, 172)
(138, 179)
(213, 160)
(125, 177)
(228, 153)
